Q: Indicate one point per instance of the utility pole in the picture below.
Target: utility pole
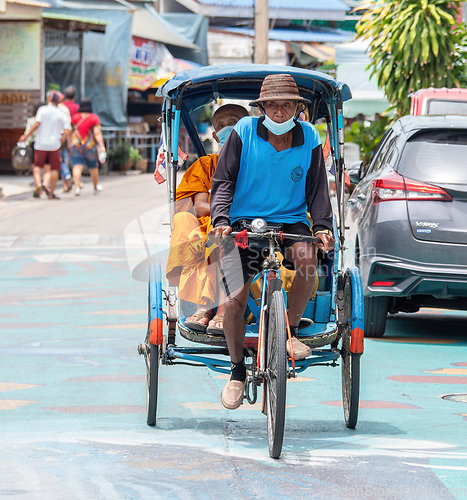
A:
(261, 31)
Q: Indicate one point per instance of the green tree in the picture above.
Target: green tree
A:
(414, 44)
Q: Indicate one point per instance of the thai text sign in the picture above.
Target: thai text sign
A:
(149, 61)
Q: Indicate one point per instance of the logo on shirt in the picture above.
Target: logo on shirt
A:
(297, 174)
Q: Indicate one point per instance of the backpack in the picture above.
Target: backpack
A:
(22, 156)
(80, 142)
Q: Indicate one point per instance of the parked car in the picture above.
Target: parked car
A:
(439, 102)
(407, 219)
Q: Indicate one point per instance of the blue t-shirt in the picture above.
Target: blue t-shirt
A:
(271, 184)
(253, 180)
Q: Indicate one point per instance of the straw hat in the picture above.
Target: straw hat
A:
(279, 87)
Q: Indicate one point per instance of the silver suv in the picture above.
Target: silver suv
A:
(407, 219)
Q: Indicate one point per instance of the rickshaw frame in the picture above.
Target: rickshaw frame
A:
(190, 90)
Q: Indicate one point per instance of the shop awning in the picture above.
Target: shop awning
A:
(30, 3)
(67, 22)
(312, 35)
(147, 23)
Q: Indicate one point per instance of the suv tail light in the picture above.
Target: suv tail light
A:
(393, 186)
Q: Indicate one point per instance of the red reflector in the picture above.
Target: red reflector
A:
(382, 283)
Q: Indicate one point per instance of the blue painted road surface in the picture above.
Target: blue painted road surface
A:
(73, 393)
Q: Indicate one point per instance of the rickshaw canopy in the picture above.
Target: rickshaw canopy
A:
(199, 86)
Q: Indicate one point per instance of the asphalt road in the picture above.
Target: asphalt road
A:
(73, 394)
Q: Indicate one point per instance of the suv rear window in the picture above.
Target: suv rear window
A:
(438, 157)
(438, 107)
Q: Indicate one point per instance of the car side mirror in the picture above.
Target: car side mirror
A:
(355, 171)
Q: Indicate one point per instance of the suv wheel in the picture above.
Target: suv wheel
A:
(376, 311)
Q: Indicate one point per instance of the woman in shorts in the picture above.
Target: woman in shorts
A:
(85, 140)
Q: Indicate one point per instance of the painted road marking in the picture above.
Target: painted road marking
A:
(137, 326)
(41, 270)
(450, 371)
(376, 405)
(426, 379)
(75, 257)
(218, 406)
(120, 379)
(225, 376)
(13, 386)
(72, 240)
(7, 241)
(19, 326)
(415, 340)
(428, 466)
(120, 311)
(99, 409)
(11, 404)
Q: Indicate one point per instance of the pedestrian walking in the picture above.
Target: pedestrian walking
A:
(69, 107)
(25, 151)
(52, 128)
(70, 98)
(85, 139)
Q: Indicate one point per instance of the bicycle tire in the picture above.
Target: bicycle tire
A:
(276, 374)
(350, 362)
(152, 354)
(152, 367)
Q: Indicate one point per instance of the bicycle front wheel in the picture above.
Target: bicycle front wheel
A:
(152, 367)
(350, 362)
(276, 373)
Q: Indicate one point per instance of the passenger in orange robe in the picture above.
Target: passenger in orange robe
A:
(191, 266)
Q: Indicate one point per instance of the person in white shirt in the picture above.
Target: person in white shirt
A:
(53, 127)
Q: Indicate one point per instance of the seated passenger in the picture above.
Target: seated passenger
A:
(190, 265)
(271, 167)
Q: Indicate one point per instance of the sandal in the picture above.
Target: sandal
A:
(196, 324)
(215, 330)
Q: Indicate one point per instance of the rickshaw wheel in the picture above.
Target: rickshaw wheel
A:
(276, 374)
(350, 361)
(152, 366)
(152, 354)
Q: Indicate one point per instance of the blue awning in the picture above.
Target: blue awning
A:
(278, 9)
(280, 4)
(315, 34)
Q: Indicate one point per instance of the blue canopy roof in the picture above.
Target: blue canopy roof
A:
(243, 81)
(314, 34)
(280, 4)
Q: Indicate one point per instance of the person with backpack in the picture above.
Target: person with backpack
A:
(52, 128)
(85, 140)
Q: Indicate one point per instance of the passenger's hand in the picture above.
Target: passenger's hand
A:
(22, 138)
(327, 242)
(219, 233)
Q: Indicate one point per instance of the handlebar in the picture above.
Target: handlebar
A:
(271, 234)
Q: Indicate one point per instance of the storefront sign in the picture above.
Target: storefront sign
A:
(14, 98)
(20, 55)
(149, 61)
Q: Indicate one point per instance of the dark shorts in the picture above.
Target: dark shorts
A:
(51, 157)
(84, 156)
(239, 264)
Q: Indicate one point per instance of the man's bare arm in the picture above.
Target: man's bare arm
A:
(201, 204)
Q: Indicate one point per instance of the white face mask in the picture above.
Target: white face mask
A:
(223, 134)
(278, 128)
